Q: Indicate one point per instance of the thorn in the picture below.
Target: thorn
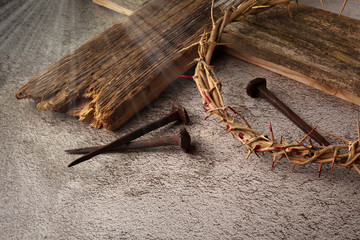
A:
(207, 116)
(343, 6)
(283, 141)
(233, 110)
(356, 168)
(358, 128)
(212, 13)
(272, 165)
(240, 115)
(333, 161)
(320, 168)
(188, 77)
(308, 134)
(308, 148)
(271, 133)
(252, 150)
(248, 155)
(333, 135)
(286, 155)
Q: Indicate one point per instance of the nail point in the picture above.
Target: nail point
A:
(185, 140)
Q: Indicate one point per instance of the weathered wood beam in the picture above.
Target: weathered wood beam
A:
(315, 40)
(315, 47)
(111, 77)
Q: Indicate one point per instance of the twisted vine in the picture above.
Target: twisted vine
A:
(208, 84)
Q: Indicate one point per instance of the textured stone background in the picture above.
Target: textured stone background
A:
(211, 193)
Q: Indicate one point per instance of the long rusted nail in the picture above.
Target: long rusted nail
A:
(177, 114)
(257, 88)
(182, 140)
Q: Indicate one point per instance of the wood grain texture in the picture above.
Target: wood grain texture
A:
(315, 47)
(345, 95)
(237, 51)
(111, 77)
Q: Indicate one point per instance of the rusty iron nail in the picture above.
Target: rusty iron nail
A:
(183, 140)
(257, 88)
(177, 114)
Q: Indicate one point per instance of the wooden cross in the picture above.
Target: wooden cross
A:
(113, 76)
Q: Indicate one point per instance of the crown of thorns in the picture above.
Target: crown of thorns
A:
(208, 84)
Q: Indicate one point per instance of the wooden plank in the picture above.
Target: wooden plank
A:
(345, 95)
(111, 77)
(240, 47)
(315, 47)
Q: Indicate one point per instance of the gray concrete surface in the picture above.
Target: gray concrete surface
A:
(211, 193)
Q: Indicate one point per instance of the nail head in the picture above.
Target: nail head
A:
(252, 88)
(184, 118)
